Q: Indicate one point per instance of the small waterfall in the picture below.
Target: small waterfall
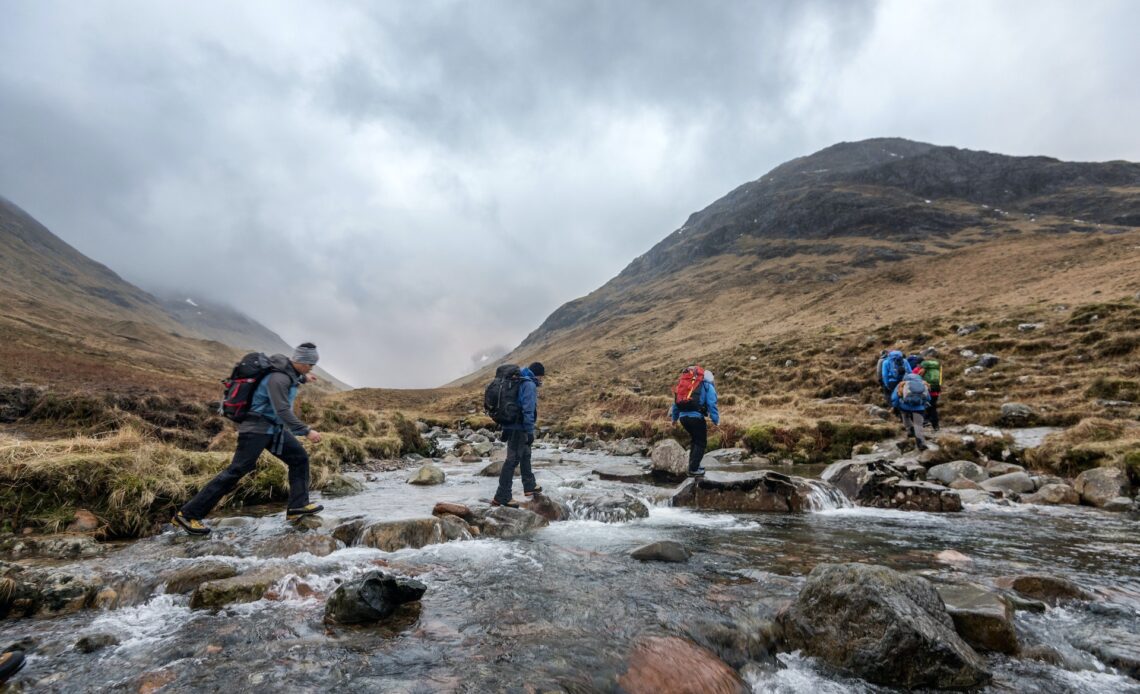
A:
(824, 496)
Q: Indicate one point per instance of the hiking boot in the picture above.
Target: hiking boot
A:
(190, 525)
(299, 513)
(922, 446)
(531, 493)
(11, 662)
(509, 504)
(699, 472)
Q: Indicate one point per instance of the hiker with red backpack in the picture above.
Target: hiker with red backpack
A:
(694, 398)
(511, 400)
(259, 396)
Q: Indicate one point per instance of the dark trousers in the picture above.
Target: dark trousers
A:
(249, 447)
(699, 433)
(932, 411)
(518, 454)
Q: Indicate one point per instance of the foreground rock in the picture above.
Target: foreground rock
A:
(670, 462)
(188, 578)
(622, 473)
(879, 484)
(666, 550)
(370, 598)
(1052, 495)
(886, 627)
(506, 522)
(982, 617)
(1101, 485)
(948, 472)
(428, 474)
(608, 507)
(549, 507)
(51, 547)
(1048, 589)
(672, 664)
(390, 536)
(746, 492)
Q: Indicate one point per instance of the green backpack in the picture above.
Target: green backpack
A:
(932, 373)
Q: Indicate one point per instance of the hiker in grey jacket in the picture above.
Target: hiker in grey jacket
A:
(271, 425)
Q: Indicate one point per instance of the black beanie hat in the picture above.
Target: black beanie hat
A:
(537, 368)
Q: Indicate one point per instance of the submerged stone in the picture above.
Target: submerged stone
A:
(672, 664)
(372, 597)
(1048, 589)
(248, 587)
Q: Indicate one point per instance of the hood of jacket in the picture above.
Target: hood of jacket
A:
(282, 363)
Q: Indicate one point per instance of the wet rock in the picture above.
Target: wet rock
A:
(968, 329)
(1099, 485)
(963, 483)
(428, 474)
(608, 507)
(233, 522)
(879, 412)
(48, 592)
(746, 492)
(739, 641)
(549, 507)
(499, 455)
(451, 508)
(669, 460)
(483, 448)
(982, 617)
(1114, 647)
(665, 550)
(374, 596)
(1016, 414)
(988, 361)
(1045, 654)
(886, 627)
(1120, 504)
(627, 447)
(1016, 482)
(248, 587)
(390, 536)
(85, 522)
(348, 531)
(494, 469)
(980, 496)
(506, 522)
(879, 484)
(1052, 495)
(1051, 590)
(95, 642)
(51, 547)
(297, 543)
(190, 577)
(996, 468)
(672, 664)
(622, 473)
(948, 472)
(472, 458)
(729, 455)
(341, 485)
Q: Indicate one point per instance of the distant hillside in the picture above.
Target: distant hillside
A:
(69, 322)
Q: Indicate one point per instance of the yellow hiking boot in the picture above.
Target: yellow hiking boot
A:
(190, 525)
(299, 513)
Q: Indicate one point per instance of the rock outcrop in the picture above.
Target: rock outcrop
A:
(879, 484)
(1100, 485)
(670, 462)
(745, 492)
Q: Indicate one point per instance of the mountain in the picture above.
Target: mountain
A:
(861, 243)
(69, 322)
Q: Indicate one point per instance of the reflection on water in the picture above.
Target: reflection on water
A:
(560, 609)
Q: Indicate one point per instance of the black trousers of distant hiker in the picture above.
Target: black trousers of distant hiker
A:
(518, 454)
(249, 448)
(699, 433)
(932, 410)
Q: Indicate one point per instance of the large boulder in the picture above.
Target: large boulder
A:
(48, 591)
(190, 577)
(983, 617)
(664, 550)
(673, 664)
(390, 536)
(341, 485)
(629, 447)
(670, 461)
(886, 627)
(747, 492)
(507, 522)
(370, 598)
(1100, 485)
(248, 587)
(428, 474)
(608, 507)
(948, 472)
(1052, 495)
(549, 507)
(881, 484)
(1012, 482)
(1016, 414)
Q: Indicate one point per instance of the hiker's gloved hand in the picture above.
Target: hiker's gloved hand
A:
(529, 439)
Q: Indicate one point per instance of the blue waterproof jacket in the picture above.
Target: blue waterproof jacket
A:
(892, 372)
(900, 404)
(708, 402)
(528, 401)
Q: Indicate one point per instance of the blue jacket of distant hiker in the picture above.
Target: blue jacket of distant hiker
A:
(528, 402)
(708, 404)
(893, 369)
(901, 404)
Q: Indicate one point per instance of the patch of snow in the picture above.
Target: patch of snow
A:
(191, 302)
(927, 202)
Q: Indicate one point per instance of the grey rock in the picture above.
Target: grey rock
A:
(886, 627)
(390, 536)
(1016, 482)
(341, 485)
(748, 492)
(996, 468)
(427, 475)
(882, 484)
(627, 447)
(483, 448)
(622, 473)
(1053, 495)
(374, 596)
(970, 496)
(1048, 589)
(1120, 504)
(948, 472)
(1028, 327)
(665, 550)
(973, 370)
(95, 642)
(248, 587)
(988, 361)
(729, 455)
(297, 543)
(1100, 485)
(968, 329)
(669, 460)
(983, 617)
(1016, 414)
(879, 412)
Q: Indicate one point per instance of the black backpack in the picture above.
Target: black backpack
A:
(242, 384)
(501, 398)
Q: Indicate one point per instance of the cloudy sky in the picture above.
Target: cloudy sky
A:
(416, 182)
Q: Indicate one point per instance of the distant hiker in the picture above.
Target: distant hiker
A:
(911, 397)
(512, 401)
(913, 361)
(931, 372)
(694, 398)
(11, 662)
(891, 372)
(267, 423)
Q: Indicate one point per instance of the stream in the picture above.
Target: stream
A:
(561, 608)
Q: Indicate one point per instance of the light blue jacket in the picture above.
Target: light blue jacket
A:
(707, 401)
(900, 404)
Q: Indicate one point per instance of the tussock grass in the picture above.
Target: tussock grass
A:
(1093, 442)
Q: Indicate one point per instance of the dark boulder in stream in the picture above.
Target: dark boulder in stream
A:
(764, 491)
(374, 596)
(665, 550)
(884, 626)
(879, 484)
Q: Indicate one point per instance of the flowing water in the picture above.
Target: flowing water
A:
(560, 609)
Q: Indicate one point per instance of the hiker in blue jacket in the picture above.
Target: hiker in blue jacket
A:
(519, 438)
(911, 397)
(694, 423)
(894, 367)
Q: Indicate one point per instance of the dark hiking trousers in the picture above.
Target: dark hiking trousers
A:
(249, 447)
(932, 411)
(518, 454)
(699, 433)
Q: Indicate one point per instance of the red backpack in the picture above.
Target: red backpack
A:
(687, 392)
